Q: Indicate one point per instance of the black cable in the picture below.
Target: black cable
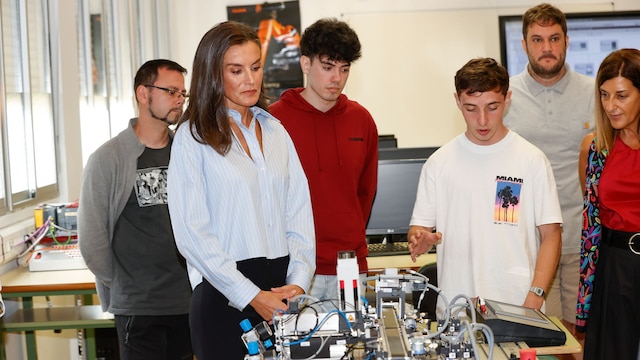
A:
(295, 326)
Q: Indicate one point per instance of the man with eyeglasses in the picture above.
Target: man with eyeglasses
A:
(124, 229)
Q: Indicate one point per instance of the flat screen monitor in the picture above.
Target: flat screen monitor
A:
(396, 194)
(405, 153)
(592, 36)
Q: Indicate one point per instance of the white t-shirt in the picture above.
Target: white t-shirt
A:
(487, 201)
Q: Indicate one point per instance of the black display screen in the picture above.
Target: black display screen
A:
(398, 175)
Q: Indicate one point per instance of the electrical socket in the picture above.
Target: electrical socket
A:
(13, 237)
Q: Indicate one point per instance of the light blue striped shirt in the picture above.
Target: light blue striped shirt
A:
(235, 207)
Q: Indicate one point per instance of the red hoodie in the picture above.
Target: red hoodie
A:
(339, 153)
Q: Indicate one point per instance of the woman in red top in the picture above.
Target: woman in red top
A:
(612, 203)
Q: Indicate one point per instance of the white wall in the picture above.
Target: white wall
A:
(411, 51)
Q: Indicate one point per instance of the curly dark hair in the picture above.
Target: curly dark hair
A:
(331, 38)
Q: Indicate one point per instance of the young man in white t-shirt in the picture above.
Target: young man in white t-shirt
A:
(492, 197)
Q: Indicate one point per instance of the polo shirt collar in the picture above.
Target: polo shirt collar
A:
(536, 88)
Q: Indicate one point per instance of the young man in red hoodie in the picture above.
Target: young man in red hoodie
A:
(337, 142)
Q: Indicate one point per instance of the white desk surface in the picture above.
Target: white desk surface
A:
(378, 263)
(21, 279)
(571, 346)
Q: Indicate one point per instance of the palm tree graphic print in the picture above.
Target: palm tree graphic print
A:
(507, 200)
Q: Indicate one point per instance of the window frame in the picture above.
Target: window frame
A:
(33, 194)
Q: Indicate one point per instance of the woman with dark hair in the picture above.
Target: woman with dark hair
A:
(238, 197)
(610, 264)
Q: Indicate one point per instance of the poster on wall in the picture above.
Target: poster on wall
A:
(278, 27)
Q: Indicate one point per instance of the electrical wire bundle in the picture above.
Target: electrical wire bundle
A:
(288, 331)
(47, 228)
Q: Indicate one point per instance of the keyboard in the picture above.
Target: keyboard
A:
(56, 257)
(389, 249)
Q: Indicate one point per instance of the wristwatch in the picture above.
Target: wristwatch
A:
(537, 290)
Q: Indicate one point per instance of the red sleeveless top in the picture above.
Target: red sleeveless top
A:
(619, 189)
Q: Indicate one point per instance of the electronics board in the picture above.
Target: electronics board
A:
(56, 257)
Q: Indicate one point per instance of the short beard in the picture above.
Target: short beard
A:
(165, 119)
(544, 72)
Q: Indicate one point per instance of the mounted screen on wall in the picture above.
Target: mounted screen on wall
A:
(592, 36)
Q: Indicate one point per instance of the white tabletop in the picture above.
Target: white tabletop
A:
(378, 263)
(20, 279)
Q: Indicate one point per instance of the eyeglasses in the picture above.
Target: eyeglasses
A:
(171, 92)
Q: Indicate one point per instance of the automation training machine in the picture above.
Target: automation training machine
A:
(392, 328)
